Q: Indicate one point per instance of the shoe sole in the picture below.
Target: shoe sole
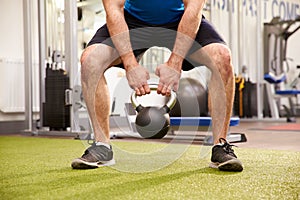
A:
(81, 164)
(233, 165)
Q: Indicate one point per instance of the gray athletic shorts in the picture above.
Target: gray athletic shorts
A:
(144, 36)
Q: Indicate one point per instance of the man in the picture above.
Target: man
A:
(132, 27)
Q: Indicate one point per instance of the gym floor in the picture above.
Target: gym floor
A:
(268, 139)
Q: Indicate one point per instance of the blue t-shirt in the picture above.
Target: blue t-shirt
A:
(155, 11)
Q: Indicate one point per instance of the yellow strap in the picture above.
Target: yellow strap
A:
(241, 82)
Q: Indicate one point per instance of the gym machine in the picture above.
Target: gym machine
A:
(57, 61)
(276, 67)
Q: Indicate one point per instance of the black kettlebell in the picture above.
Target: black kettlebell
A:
(153, 122)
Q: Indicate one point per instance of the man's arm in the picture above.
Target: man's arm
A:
(186, 32)
(169, 72)
(137, 75)
(118, 30)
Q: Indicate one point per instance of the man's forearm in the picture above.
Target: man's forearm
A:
(119, 32)
(187, 30)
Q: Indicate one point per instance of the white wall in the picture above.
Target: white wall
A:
(12, 60)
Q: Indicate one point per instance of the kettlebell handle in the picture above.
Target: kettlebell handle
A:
(167, 107)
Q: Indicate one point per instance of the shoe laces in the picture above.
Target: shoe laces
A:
(227, 147)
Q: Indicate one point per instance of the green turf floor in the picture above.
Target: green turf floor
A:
(39, 168)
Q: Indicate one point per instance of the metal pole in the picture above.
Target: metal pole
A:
(259, 63)
(42, 54)
(230, 27)
(27, 63)
(239, 35)
(71, 59)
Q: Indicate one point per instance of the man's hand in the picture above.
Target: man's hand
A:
(168, 79)
(137, 79)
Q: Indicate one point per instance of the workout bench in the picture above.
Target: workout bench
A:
(202, 124)
(275, 94)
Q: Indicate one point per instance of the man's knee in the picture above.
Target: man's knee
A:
(220, 53)
(226, 55)
(96, 59)
(83, 61)
(86, 53)
(222, 57)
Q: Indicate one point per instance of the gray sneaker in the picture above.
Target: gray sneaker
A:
(224, 159)
(94, 157)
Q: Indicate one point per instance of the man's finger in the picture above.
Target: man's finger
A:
(142, 91)
(137, 92)
(147, 89)
(164, 90)
(159, 88)
(168, 92)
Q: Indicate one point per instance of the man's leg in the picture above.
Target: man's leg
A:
(94, 61)
(217, 58)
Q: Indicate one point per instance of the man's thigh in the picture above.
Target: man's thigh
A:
(100, 55)
(206, 40)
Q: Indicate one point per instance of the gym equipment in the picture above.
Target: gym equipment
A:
(276, 66)
(276, 35)
(185, 124)
(190, 92)
(274, 94)
(245, 99)
(188, 124)
(153, 122)
(296, 81)
(56, 113)
(201, 124)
